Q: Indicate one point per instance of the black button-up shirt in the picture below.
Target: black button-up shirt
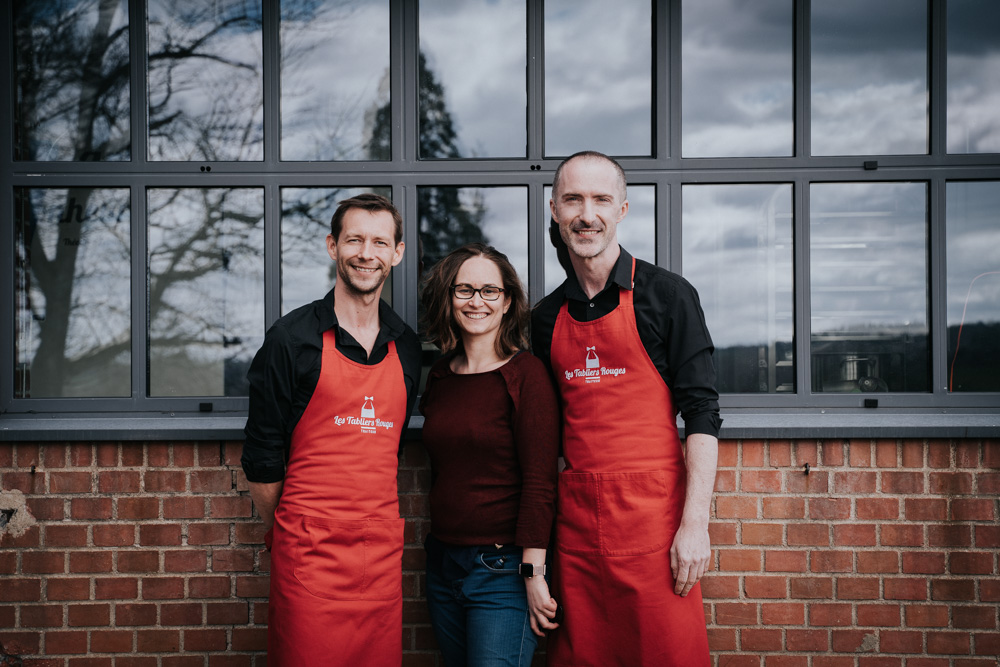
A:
(285, 372)
(671, 327)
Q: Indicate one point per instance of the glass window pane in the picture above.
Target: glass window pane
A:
(598, 77)
(737, 78)
(738, 255)
(869, 77)
(636, 233)
(205, 99)
(473, 110)
(335, 80)
(72, 81)
(206, 289)
(868, 274)
(307, 272)
(973, 76)
(72, 294)
(973, 242)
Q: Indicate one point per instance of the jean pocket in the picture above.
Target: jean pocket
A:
(500, 563)
(351, 559)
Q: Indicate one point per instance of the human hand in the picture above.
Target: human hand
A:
(690, 557)
(541, 605)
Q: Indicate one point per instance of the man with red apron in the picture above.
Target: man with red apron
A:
(633, 507)
(330, 393)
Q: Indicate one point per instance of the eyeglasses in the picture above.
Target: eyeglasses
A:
(488, 293)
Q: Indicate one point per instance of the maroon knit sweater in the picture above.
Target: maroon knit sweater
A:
(493, 440)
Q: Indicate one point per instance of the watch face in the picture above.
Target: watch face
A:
(527, 570)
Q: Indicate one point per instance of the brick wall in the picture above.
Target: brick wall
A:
(883, 555)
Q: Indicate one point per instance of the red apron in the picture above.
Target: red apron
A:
(336, 553)
(620, 502)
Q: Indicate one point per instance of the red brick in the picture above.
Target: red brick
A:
(65, 536)
(253, 533)
(833, 454)
(111, 641)
(116, 588)
(735, 613)
(905, 589)
(739, 560)
(950, 483)
(107, 454)
(953, 589)
(67, 589)
(991, 454)
(850, 641)
(65, 642)
(950, 643)
(204, 640)
(939, 454)
(760, 481)
(967, 454)
(784, 561)
(829, 614)
(163, 535)
(162, 588)
(29, 540)
(165, 481)
(808, 534)
(857, 588)
(232, 560)
(783, 613)
(725, 482)
(784, 508)
(185, 613)
(185, 561)
(21, 643)
(98, 509)
(44, 562)
(46, 509)
(211, 481)
(135, 614)
(753, 453)
(54, 455)
(902, 535)
(158, 641)
(158, 455)
(208, 533)
(114, 535)
(728, 454)
(758, 639)
(227, 613)
(978, 617)
(817, 481)
(811, 639)
(89, 615)
(927, 616)
(832, 561)
(987, 643)
(183, 455)
(971, 562)
(811, 588)
(886, 454)
(988, 483)
(779, 454)
(877, 508)
(138, 561)
(761, 533)
(854, 535)
(25, 482)
(860, 453)
(972, 509)
(133, 455)
(765, 587)
(249, 639)
(41, 616)
(210, 587)
(949, 535)
(713, 586)
(719, 639)
(257, 586)
(913, 454)
(915, 562)
(901, 641)
(138, 508)
(184, 507)
(829, 509)
(988, 537)
(879, 615)
(926, 509)
(736, 507)
(232, 506)
(720, 534)
(902, 482)
(989, 590)
(118, 482)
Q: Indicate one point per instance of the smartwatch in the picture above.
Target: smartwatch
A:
(528, 570)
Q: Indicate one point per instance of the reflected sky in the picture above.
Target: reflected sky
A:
(598, 77)
(334, 77)
(737, 78)
(869, 77)
(973, 242)
(973, 76)
(477, 50)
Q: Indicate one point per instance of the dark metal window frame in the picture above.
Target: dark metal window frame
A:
(798, 414)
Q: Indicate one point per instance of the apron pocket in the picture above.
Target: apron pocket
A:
(636, 512)
(576, 518)
(360, 559)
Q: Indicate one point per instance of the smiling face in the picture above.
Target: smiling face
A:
(588, 204)
(365, 251)
(477, 317)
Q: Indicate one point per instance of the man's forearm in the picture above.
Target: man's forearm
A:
(701, 457)
(266, 496)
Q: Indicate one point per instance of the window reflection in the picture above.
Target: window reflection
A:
(636, 233)
(206, 289)
(72, 296)
(598, 77)
(737, 244)
(307, 272)
(482, 101)
(973, 243)
(335, 80)
(869, 77)
(205, 78)
(72, 87)
(973, 76)
(737, 78)
(868, 275)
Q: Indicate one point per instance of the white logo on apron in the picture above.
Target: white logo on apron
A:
(368, 409)
(367, 420)
(592, 360)
(592, 371)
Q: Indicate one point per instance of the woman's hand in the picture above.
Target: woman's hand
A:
(541, 606)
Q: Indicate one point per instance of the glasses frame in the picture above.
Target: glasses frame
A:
(454, 292)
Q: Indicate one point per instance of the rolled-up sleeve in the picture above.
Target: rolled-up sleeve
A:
(690, 360)
(272, 380)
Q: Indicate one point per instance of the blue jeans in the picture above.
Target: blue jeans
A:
(478, 606)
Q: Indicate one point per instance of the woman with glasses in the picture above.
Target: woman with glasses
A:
(491, 428)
